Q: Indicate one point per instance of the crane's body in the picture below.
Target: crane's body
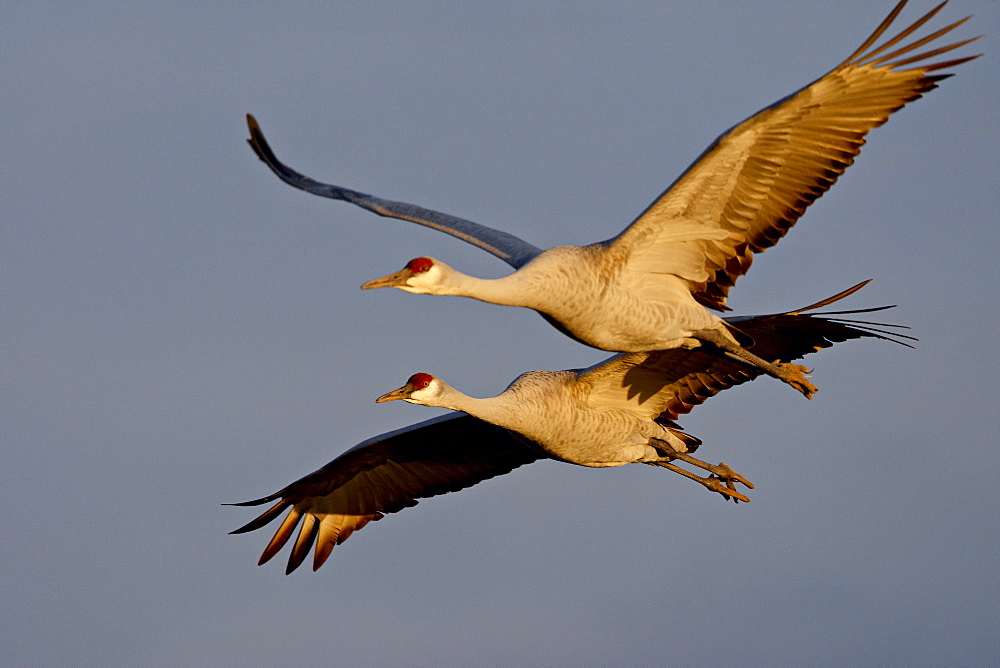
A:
(648, 288)
(589, 292)
(555, 410)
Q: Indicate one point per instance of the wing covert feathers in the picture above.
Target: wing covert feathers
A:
(757, 179)
(384, 475)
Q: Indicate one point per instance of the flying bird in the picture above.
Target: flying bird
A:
(648, 288)
(620, 411)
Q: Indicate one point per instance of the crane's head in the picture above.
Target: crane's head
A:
(422, 275)
(420, 388)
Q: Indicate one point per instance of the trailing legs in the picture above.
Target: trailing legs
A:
(723, 479)
(793, 374)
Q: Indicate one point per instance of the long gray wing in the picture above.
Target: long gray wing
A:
(507, 247)
(384, 475)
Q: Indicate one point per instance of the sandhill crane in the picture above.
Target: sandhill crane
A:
(617, 412)
(647, 288)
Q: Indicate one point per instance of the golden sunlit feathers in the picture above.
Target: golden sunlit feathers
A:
(757, 179)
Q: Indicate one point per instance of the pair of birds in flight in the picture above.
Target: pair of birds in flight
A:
(642, 294)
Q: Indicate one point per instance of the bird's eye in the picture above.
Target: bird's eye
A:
(419, 381)
(420, 265)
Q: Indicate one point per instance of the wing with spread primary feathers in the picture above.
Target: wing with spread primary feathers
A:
(384, 475)
(755, 181)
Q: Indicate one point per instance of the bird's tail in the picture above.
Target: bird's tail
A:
(796, 333)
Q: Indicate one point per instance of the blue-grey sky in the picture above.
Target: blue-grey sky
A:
(182, 330)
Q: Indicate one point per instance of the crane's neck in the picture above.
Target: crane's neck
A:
(507, 290)
(544, 283)
(494, 410)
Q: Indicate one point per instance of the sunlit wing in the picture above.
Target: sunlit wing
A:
(668, 383)
(751, 185)
(384, 475)
(507, 247)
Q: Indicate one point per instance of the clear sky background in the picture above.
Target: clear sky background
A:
(181, 330)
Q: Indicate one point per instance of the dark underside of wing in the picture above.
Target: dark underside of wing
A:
(384, 475)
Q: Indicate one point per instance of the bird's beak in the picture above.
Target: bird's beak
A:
(401, 393)
(390, 281)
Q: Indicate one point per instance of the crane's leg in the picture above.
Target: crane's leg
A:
(793, 374)
(723, 479)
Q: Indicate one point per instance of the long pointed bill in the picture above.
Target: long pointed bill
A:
(390, 281)
(401, 393)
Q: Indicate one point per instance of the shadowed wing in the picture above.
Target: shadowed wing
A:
(384, 475)
(751, 185)
(507, 247)
(665, 384)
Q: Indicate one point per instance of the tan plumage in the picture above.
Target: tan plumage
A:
(647, 288)
(616, 412)
(755, 181)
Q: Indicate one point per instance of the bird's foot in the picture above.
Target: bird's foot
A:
(725, 481)
(795, 375)
(722, 479)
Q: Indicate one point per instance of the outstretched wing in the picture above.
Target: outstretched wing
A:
(384, 475)
(507, 247)
(668, 383)
(751, 185)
